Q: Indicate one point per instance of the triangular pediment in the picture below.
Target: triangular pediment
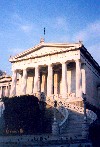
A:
(44, 49)
(5, 78)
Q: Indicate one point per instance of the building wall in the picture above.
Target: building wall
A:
(92, 82)
(29, 84)
(99, 95)
(52, 55)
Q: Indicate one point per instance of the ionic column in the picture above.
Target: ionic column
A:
(56, 83)
(20, 84)
(13, 85)
(24, 81)
(50, 81)
(78, 79)
(84, 78)
(1, 91)
(8, 89)
(37, 80)
(43, 83)
(6, 92)
(64, 80)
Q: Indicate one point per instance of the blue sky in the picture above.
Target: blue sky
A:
(22, 23)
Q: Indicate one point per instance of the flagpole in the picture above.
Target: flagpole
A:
(44, 33)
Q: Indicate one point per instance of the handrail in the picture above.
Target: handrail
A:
(65, 113)
(61, 109)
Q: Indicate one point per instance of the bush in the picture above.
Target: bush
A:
(25, 114)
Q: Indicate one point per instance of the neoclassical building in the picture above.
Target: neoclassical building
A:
(64, 70)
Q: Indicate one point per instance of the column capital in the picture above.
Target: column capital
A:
(24, 69)
(37, 67)
(77, 60)
(50, 65)
(14, 70)
(64, 62)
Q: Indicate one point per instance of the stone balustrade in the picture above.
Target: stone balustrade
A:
(91, 115)
(65, 113)
(63, 106)
(2, 108)
(61, 109)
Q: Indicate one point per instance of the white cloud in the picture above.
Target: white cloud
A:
(14, 51)
(90, 36)
(95, 27)
(89, 32)
(26, 28)
(21, 23)
(60, 21)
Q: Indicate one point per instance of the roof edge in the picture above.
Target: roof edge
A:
(40, 45)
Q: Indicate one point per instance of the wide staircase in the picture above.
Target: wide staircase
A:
(71, 120)
(72, 125)
(73, 128)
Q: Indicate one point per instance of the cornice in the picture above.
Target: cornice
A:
(41, 45)
(5, 79)
(90, 58)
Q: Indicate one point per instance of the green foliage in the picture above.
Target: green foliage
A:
(26, 114)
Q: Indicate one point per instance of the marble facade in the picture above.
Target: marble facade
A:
(56, 69)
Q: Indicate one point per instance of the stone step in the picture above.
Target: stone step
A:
(73, 130)
(72, 135)
(77, 120)
(74, 126)
(71, 122)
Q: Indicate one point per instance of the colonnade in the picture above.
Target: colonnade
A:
(5, 90)
(49, 80)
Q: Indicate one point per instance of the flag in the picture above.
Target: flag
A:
(44, 31)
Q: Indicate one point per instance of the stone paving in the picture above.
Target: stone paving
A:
(42, 140)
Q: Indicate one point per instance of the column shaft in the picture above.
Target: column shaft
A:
(13, 85)
(50, 81)
(1, 92)
(20, 84)
(6, 92)
(37, 80)
(78, 79)
(56, 83)
(24, 81)
(84, 78)
(64, 80)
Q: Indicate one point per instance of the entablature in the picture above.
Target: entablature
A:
(47, 60)
(45, 50)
